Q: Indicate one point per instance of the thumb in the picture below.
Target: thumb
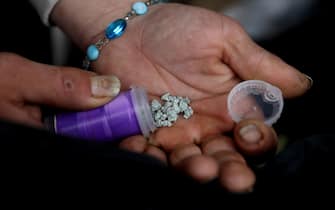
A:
(250, 61)
(64, 87)
(255, 140)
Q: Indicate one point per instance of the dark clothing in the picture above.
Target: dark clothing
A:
(39, 164)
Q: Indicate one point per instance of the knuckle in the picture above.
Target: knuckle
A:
(233, 29)
(64, 81)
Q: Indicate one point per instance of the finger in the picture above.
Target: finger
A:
(27, 115)
(183, 152)
(134, 144)
(234, 174)
(188, 158)
(250, 61)
(200, 167)
(222, 149)
(34, 112)
(228, 156)
(63, 87)
(255, 140)
(139, 144)
(156, 153)
(217, 144)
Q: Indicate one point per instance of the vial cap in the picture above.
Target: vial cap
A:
(255, 99)
(142, 110)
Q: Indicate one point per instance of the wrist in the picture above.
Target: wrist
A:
(114, 30)
(84, 22)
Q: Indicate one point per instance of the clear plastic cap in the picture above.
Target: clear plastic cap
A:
(255, 99)
(142, 110)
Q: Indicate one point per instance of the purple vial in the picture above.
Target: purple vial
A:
(126, 115)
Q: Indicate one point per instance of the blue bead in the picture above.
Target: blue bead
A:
(116, 29)
(140, 8)
(92, 53)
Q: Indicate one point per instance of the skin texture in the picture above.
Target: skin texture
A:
(27, 86)
(199, 54)
(202, 55)
(192, 52)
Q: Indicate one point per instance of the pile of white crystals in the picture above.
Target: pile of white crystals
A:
(167, 113)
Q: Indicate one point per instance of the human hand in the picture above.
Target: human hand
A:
(193, 52)
(26, 86)
(199, 54)
(222, 157)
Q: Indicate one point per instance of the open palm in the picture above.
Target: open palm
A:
(194, 52)
(198, 53)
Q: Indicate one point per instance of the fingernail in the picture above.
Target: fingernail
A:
(250, 134)
(105, 86)
(310, 80)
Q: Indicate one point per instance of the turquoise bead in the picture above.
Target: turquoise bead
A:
(140, 8)
(116, 29)
(92, 53)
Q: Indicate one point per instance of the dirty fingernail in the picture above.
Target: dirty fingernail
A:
(250, 134)
(311, 81)
(105, 86)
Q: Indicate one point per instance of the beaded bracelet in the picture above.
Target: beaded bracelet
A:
(115, 30)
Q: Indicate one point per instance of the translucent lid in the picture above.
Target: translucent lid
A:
(142, 110)
(255, 99)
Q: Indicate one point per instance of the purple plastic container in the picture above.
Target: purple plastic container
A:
(126, 115)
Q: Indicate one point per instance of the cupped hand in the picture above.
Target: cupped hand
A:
(193, 52)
